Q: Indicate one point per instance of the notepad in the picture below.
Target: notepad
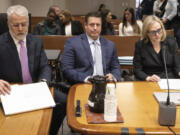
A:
(174, 84)
(27, 97)
(125, 60)
(162, 97)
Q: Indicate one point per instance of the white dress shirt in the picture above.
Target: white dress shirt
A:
(68, 30)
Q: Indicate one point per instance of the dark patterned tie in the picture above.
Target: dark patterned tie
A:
(24, 63)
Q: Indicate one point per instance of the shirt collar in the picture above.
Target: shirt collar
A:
(90, 40)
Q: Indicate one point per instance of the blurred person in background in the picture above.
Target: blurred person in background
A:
(48, 26)
(170, 13)
(69, 26)
(57, 10)
(146, 8)
(129, 25)
(107, 27)
(101, 7)
(159, 7)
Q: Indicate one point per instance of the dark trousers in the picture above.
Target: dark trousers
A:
(59, 112)
(178, 37)
(167, 25)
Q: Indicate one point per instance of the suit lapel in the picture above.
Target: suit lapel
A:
(30, 52)
(87, 48)
(12, 51)
(72, 28)
(152, 52)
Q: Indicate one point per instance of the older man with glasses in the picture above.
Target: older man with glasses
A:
(23, 60)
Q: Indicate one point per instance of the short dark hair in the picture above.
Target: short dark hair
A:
(51, 11)
(92, 14)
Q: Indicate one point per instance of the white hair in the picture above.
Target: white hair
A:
(17, 9)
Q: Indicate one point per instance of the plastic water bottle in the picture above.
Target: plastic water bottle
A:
(110, 104)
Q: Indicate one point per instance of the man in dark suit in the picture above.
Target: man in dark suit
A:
(79, 60)
(24, 60)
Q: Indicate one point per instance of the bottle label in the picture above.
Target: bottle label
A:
(110, 108)
(91, 104)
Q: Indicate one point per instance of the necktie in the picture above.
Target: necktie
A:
(98, 59)
(24, 63)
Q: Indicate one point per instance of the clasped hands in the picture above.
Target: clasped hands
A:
(109, 76)
(155, 78)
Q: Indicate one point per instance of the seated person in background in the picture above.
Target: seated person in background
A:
(129, 25)
(90, 54)
(147, 7)
(159, 7)
(48, 26)
(101, 7)
(57, 11)
(70, 27)
(107, 27)
(24, 60)
(170, 14)
(149, 52)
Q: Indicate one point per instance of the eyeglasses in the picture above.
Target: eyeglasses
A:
(158, 31)
(18, 24)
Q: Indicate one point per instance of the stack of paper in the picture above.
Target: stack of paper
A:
(52, 54)
(173, 84)
(162, 97)
(27, 97)
(125, 60)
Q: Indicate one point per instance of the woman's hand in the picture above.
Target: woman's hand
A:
(153, 78)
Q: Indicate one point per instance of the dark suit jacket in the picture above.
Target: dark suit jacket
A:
(76, 28)
(77, 61)
(147, 62)
(10, 69)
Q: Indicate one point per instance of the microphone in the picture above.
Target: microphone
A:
(165, 67)
(167, 110)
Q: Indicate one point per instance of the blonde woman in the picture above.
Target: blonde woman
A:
(149, 51)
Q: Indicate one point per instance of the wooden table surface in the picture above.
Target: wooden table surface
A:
(28, 123)
(136, 104)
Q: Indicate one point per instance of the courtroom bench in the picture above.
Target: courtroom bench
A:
(124, 45)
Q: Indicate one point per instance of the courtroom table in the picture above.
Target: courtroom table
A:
(28, 123)
(136, 103)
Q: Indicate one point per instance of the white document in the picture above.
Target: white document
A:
(129, 58)
(174, 84)
(162, 97)
(52, 54)
(27, 97)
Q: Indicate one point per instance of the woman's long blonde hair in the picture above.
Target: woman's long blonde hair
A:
(149, 20)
